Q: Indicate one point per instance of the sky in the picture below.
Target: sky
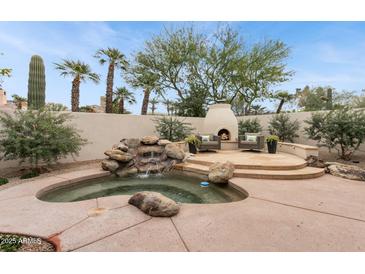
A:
(322, 53)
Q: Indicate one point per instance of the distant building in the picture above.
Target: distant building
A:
(3, 100)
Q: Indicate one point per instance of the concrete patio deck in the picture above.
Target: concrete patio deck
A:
(321, 214)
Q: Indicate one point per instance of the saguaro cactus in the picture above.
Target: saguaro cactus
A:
(36, 83)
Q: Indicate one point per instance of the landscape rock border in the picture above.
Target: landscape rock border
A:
(148, 154)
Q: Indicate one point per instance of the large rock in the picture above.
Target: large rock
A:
(131, 142)
(150, 149)
(315, 161)
(154, 204)
(174, 152)
(150, 140)
(127, 171)
(118, 155)
(221, 172)
(346, 171)
(120, 146)
(163, 142)
(110, 165)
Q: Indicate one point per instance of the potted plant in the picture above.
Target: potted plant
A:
(193, 143)
(272, 142)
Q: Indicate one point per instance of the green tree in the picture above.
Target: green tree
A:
(4, 72)
(342, 129)
(140, 76)
(115, 60)
(38, 136)
(323, 98)
(18, 100)
(260, 68)
(249, 126)
(172, 128)
(283, 127)
(80, 72)
(123, 95)
(217, 67)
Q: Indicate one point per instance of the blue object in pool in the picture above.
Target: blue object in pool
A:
(204, 184)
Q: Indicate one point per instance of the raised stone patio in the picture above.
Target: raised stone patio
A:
(321, 214)
(259, 165)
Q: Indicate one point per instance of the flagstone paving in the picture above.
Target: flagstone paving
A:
(321, 214)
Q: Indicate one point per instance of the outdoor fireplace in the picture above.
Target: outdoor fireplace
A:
(221, 121)
(224, 134)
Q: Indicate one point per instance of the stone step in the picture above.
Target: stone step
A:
(268, 166)
(303, 173)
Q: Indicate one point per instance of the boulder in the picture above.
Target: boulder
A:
(127, 171)
(122, 147)
(221, 172)
(163, 142)
(149, 140)
(131, 142)
(174, 152)
(149, 149)
(118, 155)
(154, 204)
(346, 171)
(314, 161)
(110, 165)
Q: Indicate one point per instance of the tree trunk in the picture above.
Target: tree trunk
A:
(280, 106)
(121, 105)
(146, 99)
(75, 94)
(109, 89)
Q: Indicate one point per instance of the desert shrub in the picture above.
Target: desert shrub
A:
(3, 181)
(87, 108)
(172, 129)
(342, 130)
(38, 135)
(31, 174)
(283, 127)
(10, 243)
(55, 107)
(250, 126)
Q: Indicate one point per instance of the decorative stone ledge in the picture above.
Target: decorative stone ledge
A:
(302, 151)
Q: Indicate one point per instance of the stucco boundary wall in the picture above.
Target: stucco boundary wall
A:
(103, 130)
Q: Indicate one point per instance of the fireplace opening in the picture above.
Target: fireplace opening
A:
(224, 134)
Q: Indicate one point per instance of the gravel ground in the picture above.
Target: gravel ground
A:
(31, 243)
(14, 179)
(359, 156)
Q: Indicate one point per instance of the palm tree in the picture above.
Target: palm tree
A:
(80, 72)
(169, 105)
(283, 96)
(257, 109)
(122, 95)
(139, 76)
(153, 103)
(115, 59)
